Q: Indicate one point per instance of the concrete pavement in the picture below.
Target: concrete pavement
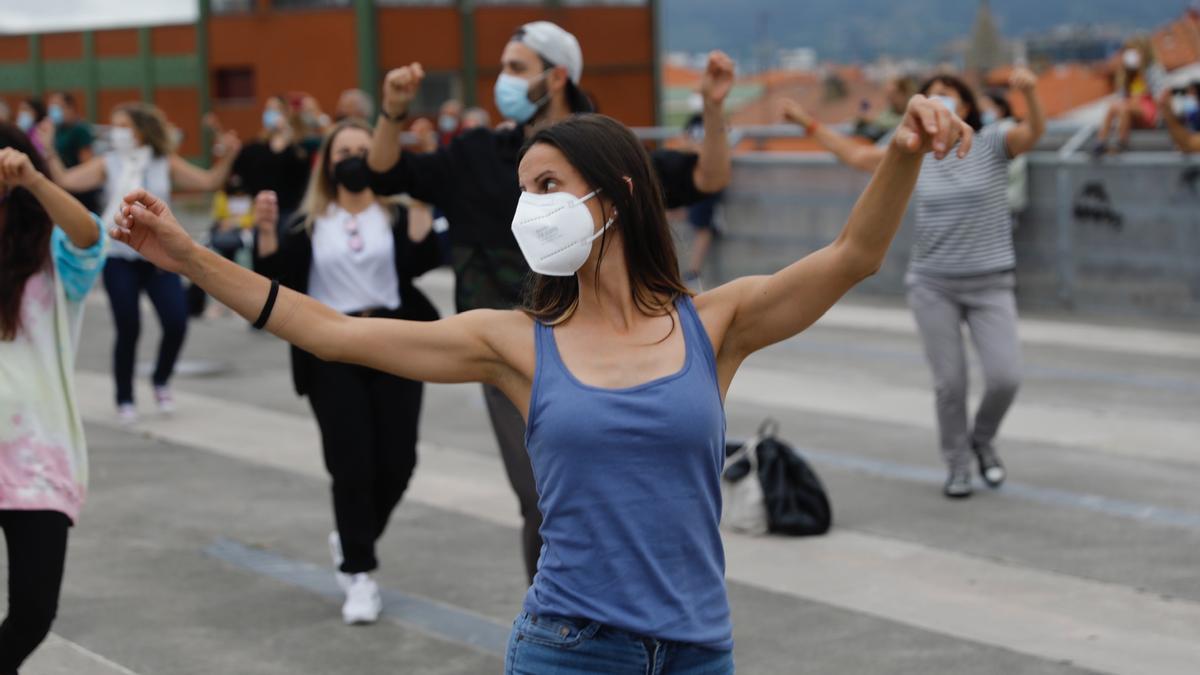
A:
(1086, 562)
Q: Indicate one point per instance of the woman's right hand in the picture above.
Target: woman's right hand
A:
(929, 126)
(144, 222)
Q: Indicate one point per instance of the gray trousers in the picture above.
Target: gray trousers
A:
(509, 427)
(987, 304)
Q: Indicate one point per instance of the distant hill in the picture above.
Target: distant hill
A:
(861, 30)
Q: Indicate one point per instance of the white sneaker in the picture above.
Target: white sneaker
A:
(363, 603)
(335, 552)
(165, 400)
(127, 414)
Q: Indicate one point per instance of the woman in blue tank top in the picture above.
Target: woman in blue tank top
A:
(619, 371)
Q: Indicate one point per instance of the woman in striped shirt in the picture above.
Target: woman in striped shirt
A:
(962, 268)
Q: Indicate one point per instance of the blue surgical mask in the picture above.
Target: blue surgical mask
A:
(447, 124)
(988, 117)
(56, 114)
(950, 103)
(271, 118)
(25, 121)
(512, 98)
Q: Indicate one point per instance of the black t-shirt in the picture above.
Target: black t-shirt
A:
(257, 168)
(474, 182)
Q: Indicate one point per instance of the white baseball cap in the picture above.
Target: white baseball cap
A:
(553, 44)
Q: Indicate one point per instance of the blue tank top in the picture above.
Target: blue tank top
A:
(629, 489)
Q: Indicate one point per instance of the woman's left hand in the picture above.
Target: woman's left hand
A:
(145, 223)
(928, 126)
(16, 169)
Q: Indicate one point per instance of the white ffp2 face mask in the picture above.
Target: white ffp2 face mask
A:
(121, 139)
(555, 231)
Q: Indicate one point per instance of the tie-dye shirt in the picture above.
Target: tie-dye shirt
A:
(43, 455)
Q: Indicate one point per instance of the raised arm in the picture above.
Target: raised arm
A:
(188, 177)
(400, 87)
(753, 312)
(83, 177)
(714, 169)
(63, 209)
(450, 350)
(861, 156)
(1023, 136)
(1185, 139)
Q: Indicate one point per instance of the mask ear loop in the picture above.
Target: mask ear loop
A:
(541, 103)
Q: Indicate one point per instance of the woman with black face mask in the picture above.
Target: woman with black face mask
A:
(352, 251)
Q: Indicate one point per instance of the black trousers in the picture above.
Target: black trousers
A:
(37, 551)
(368, 422)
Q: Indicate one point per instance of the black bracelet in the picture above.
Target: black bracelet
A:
(270, 304)
(397, 118)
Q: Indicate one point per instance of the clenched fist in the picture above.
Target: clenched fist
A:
(400, 88)
(1022, 80)
(16, 169)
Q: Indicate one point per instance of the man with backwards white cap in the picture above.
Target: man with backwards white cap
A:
(474, 182)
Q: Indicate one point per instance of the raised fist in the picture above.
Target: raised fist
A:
(400, 88)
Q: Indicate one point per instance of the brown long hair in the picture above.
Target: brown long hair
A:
(611, 159)
(151, 125)
(24, 236)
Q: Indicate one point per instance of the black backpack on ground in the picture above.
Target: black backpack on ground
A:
(793, 496)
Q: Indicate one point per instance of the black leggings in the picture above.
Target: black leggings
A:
(368, 422)
(37, 550)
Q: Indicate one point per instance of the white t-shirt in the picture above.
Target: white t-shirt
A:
(351, 280)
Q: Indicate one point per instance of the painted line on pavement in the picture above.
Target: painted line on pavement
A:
(60, 656)
(433, 618)
(1109, 506)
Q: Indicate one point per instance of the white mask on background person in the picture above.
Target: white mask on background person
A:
(1132, 59)
(121, 139)
(988, 117)
(555, 231)
(25, 121)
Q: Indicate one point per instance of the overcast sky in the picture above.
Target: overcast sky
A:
(24, 16)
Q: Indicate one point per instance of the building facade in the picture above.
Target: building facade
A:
(240, 52)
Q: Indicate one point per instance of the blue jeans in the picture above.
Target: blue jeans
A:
(125, 280)
(551, 645)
